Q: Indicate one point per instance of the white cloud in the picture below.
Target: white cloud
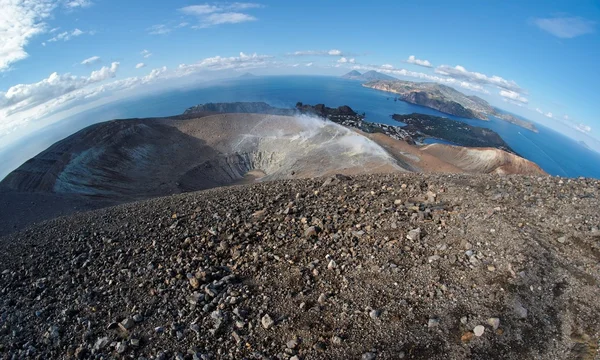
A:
(548, 114)
(78, 3)
(387, 66)
(19, 22)
(145, 53)
(210, 9)
(226, 18)
(159, 29)
(217, 14)
(566, 27)
(140, 65)
(309, 64)
(583, 128)
(513, 96)
(459, 72)
(243, 61)
(41, 102)
(332, 52)
(344, 60)
(24, 96)
(68, 35)
(91, 60)
(539, 110)
(413, 60)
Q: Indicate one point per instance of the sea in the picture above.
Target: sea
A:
(552, 151)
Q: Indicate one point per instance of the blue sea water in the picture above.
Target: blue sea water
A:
(555, 153)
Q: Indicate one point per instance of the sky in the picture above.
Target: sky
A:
(535, 59)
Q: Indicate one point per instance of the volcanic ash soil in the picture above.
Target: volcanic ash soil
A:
(369, 267)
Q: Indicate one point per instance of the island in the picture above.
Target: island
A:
(446, 100)
(368, 76)
(421, 126)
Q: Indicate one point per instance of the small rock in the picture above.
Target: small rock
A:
(336, 340)
(138, 318)
(332, 265)
(494, 323)
(520, 311)
(466, 337)
(368, 356)
(310, 232)
(295, 357)
(322, 299)
(259, 213)
(374, 314)
(562, 239)
(478, 330)
(292, 344)
(414, 234)
(101, 343)
(121, 347)
(194, 283)
(127, 324)
(134, 342)
(267, 322)
(433, 322)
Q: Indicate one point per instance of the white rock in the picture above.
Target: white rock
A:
(478, 330)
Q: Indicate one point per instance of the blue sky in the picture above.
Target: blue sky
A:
(536, 59)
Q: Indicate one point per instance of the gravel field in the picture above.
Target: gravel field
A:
(410, 266)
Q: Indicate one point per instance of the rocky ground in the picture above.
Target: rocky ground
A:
(370, 267)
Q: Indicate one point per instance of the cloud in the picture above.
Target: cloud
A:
(583, 128)
(145, 53)
(460, 73)
(91, 60)
(140, 65)
(413, 60)
(332, 52)
(24, 96)
(210, 9)
(220, 13)
(41, 102)
(309, 64)
(226, 18)
(68, 35)
(19, 22)
(159, 29)
(78, 3)
(513, 96)
(566, 27)
(344, 60)
(243, 61)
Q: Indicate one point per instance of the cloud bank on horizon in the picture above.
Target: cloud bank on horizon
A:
(24, 23)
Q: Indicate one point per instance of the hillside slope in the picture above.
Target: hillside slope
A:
(375, 267)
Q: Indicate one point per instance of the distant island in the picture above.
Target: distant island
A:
(247, 76)
(446, 99)
(368, 76)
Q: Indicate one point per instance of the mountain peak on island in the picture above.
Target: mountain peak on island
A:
(352, 74)
(368, 76)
